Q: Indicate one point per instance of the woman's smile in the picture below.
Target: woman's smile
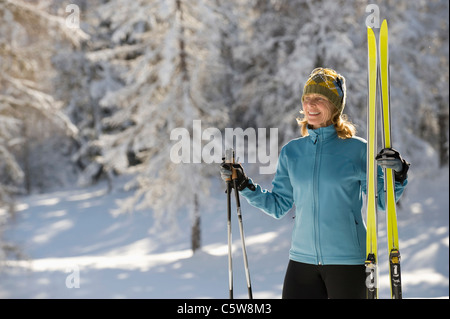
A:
(317, 109)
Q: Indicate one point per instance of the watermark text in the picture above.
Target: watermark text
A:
(208, 145)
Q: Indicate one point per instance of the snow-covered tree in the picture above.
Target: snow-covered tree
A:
(285, 40)
(420, 76)
(35, 135)
(282, 42)
(26, 90)
(168, 87)
(105, 97)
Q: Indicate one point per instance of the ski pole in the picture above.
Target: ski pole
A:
(241, 230)
(241, 225)
(229, 159)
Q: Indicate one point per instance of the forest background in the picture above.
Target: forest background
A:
(91, 90)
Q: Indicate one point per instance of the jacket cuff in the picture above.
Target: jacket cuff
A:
(248, 183)
(403, 175)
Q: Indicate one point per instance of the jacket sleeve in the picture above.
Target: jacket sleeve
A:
(279, 201)
(398, 188)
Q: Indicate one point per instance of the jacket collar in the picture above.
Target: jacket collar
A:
(322, 133)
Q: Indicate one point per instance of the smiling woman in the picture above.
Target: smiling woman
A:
(324, 96)
(323, 174)
(317, 110)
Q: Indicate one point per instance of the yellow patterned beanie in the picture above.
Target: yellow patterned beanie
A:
(328, 83)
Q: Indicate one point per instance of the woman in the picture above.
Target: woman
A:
(324, 174)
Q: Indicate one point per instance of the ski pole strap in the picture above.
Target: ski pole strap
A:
(229, 159)
(233, 173)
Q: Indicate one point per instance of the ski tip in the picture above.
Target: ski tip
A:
(384, 24)
(371, 40)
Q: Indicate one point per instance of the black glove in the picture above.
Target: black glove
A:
(242, 180)
(391, 158)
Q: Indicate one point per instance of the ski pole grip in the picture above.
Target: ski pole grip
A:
(229, 159)
(229, 156)
(233, 173)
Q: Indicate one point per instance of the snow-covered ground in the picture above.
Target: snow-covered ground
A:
(76, 247)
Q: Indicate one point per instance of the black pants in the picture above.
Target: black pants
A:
(305, 281)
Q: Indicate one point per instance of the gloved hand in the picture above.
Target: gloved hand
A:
(242, 180)
(391, 158)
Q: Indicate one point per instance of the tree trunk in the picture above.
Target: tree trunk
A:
(26, 156)
(443, 132)
(196, 231)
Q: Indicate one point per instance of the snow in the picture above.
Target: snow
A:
(105, 97)
(75, 247)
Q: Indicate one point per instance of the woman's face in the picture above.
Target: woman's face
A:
(317, 110)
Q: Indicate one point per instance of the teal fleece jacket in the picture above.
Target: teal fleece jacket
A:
(324, 176)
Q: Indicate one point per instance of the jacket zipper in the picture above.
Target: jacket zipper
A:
(318, 145)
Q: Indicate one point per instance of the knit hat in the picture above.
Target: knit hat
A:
(328, 83)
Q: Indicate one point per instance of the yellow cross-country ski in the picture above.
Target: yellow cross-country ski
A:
(391, 215)
(371, 241)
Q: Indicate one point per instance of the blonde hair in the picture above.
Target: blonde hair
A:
(344, 128)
